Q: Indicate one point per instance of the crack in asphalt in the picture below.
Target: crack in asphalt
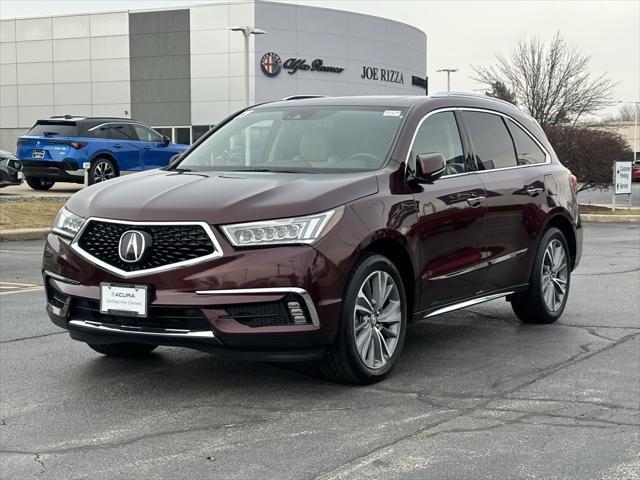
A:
(32, 337)
(129, 441)
(42, 467)
(378, 451)
(605, 273)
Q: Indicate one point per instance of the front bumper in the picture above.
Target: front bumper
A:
(201, 306)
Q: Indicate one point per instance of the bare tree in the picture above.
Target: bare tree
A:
(498, 90)
(626, 113)
(550, 81)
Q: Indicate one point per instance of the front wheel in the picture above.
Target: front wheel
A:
(123, 349)
(372, 324)
(546, 297)
(40, 183)
(102, 169)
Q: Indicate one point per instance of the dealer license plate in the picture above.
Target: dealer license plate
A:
(38, 154)
(123, 299)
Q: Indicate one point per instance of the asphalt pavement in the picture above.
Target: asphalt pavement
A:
(477, 395)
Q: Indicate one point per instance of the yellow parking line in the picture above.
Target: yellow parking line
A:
(24, 290)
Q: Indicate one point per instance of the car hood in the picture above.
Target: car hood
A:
(219, 197)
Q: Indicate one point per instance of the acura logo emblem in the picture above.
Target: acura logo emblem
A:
(133, 245)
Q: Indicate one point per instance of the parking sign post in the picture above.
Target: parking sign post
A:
(621, 182)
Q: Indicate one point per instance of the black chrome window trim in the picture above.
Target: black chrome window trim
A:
(482, 110)
(139, 273)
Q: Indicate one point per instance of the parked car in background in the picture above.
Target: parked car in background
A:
(316, 229)
(10, 169)
(635, 172)
(55, 149)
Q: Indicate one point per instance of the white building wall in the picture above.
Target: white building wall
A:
(76, 64)
(339, 38)
(217, 60)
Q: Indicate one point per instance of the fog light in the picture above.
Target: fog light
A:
(297, 313)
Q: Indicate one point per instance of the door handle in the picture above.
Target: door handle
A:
(147, 147)
(534, 191)
(476, 201)
(117, 145)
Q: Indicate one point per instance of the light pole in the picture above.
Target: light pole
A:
(246, 32)
(449, 72)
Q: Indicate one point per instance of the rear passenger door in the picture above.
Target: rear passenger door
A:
(508, 162)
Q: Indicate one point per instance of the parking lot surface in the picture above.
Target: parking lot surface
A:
(476, 395)
(23, 190)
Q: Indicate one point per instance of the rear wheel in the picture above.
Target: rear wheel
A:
(372, 325)
(40, 183)
(102, 169)
(548, 291)
(123, 349)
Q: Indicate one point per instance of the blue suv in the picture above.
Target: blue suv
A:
(55, 149)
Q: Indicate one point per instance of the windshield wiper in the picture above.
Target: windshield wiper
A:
(268, 170)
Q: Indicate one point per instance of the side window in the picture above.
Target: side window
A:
(491, 140)
(146, 134)
(527, 149)
(121, 131)
(439, 134)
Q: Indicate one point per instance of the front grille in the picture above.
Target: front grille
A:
(170, 244)
(183, 318)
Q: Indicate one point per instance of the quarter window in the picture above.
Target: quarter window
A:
(528, 151)
(439, 134)
(491, 140)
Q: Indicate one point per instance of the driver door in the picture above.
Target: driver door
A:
(156, 152)
(451, 216)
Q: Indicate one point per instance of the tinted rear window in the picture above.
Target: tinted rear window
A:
(491, 140)
(53, 129)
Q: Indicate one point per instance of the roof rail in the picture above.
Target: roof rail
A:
(473, 95)
(302, 97)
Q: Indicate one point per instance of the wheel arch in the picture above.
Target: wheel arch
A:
(561, 221)
(109, 156)
(397, 253)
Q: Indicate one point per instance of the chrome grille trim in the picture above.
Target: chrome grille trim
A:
(165, 332)
(140, 273)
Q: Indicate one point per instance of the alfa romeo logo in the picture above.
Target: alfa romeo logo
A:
(271, 64)
(132, 245)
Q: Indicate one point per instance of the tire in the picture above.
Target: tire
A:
(343, 363)
(102, 169)
(123, 349)
(541, 302)
(40, 183)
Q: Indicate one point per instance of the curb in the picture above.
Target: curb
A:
(23, 198)
(599, 218)
(24, 234)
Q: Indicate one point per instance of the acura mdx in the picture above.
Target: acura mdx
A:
(316, 229)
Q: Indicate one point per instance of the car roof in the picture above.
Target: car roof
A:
(438, 100)
(79, 118)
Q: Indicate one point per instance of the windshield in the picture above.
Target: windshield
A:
(300, 139)
(46, 129)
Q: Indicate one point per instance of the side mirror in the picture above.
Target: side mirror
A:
(430, 166)
(166, 139)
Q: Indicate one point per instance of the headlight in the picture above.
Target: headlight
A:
(67, 224)
(305, 229)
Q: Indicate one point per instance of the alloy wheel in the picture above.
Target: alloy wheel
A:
(377, 319)
(103, 171)
(555, 271)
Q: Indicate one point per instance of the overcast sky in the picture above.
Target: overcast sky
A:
(460, 33)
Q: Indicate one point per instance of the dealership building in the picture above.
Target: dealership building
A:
(183, 70)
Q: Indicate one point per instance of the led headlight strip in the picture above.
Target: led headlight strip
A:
(305, 229)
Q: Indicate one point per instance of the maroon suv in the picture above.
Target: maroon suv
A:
(316, 229)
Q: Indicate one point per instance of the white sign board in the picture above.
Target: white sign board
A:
(622, 178)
